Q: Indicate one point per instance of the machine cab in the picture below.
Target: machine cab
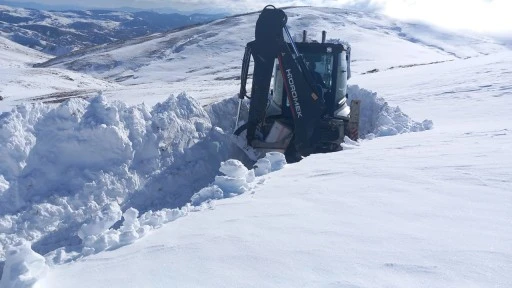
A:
(329, 66)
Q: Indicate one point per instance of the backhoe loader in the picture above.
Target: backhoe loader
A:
(298, 100)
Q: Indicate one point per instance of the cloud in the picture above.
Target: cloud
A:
(364, 5)
(484, 16)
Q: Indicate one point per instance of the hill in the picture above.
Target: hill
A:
(60, 32)
(20, 82)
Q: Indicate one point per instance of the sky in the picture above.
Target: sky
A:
(482, 16)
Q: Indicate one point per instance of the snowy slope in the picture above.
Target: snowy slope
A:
(205, 60)
(60, 32)
(14, 55)
(429, 209)
(20, 82)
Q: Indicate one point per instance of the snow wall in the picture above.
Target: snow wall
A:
(90, 175)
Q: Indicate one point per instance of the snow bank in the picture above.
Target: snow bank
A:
(69, 171)
(23, 267)
(378, 119)
(17, 139)
(97, 234)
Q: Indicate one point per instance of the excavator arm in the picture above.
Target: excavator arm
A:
(303, 94)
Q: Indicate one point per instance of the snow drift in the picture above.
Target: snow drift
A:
(23, 268)
(378, 118)
(86, 166)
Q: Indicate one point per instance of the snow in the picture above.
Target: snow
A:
(104, 188)
(378, 118)
(20, 12)
(356, 224)
(90, 154)
(98, 158)
(23, 267)
(14, 55)
(60, 18)
(20, 82)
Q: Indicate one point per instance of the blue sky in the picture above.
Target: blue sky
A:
(484, 16)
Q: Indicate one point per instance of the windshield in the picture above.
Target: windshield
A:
(322, 64)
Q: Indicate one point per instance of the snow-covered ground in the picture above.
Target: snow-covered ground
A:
(430, 209)
(427, 209)
(20, 82)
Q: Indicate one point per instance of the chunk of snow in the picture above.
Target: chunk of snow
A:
(277, 160)
(5, 225)
(130, 227)
(158, 218)
(23, 267)
(235, 181)
(232, 186)
(263, 166)
(207, 193)
(3, 184)
(250, 176)
(101, 242)
(233, 168)
(102, 221)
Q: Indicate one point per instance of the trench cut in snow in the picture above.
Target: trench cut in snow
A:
(132, 168)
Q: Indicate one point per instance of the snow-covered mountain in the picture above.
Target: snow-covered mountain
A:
(205, 59)
(366, 32)
(93, 190)
(59, 32)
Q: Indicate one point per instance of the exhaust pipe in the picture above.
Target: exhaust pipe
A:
(324, 34)
(304, 34)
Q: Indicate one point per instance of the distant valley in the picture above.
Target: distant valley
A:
(60, 32)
